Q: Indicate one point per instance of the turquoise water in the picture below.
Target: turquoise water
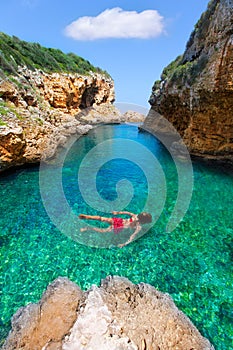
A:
(193, 263)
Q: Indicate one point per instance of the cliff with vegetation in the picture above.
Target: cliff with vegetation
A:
(41, 92)
(195, 92)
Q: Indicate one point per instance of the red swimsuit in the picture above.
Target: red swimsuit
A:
(118, 225)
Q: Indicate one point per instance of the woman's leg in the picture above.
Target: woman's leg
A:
(96, 217)
(97, 229)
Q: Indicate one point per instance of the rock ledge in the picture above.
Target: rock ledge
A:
(117, 315)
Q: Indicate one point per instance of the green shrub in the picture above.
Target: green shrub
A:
(6, 107)
(189, 71)
(15, 52)
(171, 67)
(156, 85)
(2, 123)
(3, 111)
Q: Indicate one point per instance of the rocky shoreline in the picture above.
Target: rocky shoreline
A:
(117, 315)
(24, 143)
(40, 111)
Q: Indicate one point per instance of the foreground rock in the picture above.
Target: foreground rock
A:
(195, 92)
(115, 316)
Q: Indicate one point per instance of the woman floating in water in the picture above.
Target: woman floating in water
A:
(118, 224)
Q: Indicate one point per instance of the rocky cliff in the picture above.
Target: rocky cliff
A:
(117, 315)
(38, 107)
(195, 92)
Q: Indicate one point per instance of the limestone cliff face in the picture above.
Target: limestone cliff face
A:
(195, 93)
(67, 92)
(117, 315)
(37, 108)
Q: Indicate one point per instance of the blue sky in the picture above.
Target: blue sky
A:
(134, 62)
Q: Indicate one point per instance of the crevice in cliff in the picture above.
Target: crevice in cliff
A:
(88, 97)
(223, 76)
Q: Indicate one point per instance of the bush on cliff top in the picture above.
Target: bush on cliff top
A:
(181, 69)
(168, 71)
(15, 52)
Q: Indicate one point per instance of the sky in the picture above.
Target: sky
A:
(133, 40)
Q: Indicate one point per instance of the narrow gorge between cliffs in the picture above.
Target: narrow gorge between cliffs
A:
(192, 263)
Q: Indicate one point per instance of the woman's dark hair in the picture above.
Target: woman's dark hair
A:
(144, 218)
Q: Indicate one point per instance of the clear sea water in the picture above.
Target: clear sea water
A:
(193, 263)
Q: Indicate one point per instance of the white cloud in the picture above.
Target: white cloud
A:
(117, 23)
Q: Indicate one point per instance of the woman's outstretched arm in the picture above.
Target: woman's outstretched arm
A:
(123, 213)
(95, 217)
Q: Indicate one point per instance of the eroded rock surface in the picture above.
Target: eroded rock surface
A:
(195, 92)
(117, 315)
(67, 92)
(37, 112)
(28, 141)
(107, 113)
(37, 324)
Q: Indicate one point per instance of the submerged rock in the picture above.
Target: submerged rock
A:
(115, 316)
(195, 92)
